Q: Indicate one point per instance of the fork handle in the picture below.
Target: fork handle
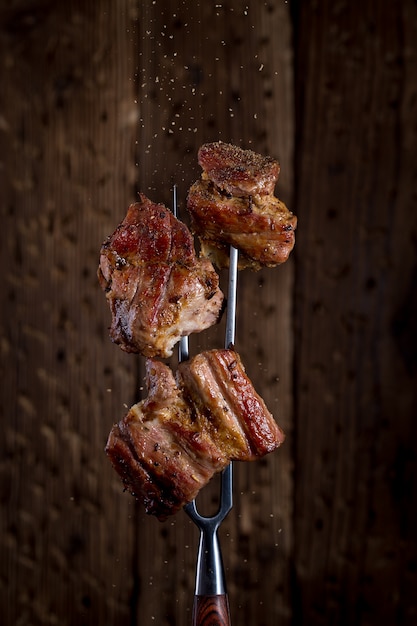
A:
(211, 610)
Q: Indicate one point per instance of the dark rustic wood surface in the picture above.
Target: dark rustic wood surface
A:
(101, 99)
(67, 129)
(356, 342)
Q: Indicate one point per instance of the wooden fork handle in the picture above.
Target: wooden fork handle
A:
(211, 611)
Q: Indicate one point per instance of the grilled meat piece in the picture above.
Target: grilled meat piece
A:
(261, 227)
(233, 204)
(156, 287)
(157, 449)
(170, 444)
(236, 171)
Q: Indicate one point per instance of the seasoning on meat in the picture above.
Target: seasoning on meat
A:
(234, 204)
(238, 172)
(156, 287)
(170, 444)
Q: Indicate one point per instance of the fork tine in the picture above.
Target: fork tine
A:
(231, 299)
(183, 353)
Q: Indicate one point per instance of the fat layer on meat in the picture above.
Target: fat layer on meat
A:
(229, 407)
(156, 287)
(170, 444)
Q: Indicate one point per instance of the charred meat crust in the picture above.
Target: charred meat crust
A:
(236, 171)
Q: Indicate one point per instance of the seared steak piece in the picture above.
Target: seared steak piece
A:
(156, 287)
(261, 227)
(233, 204)
(238, 172)
(157, 449)
(170, 444)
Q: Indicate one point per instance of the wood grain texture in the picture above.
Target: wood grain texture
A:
(211, 611)
(66, 151)
(100, 99)
(355, 375)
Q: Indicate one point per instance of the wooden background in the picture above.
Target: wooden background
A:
(100, 99)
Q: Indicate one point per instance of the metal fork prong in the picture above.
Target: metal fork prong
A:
(231, 299)
(174, 201)
(183, 350)
(210, 578)
(226, 502)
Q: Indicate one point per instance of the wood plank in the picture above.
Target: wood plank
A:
(67, 151)
(211, 71)
(355, 378)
